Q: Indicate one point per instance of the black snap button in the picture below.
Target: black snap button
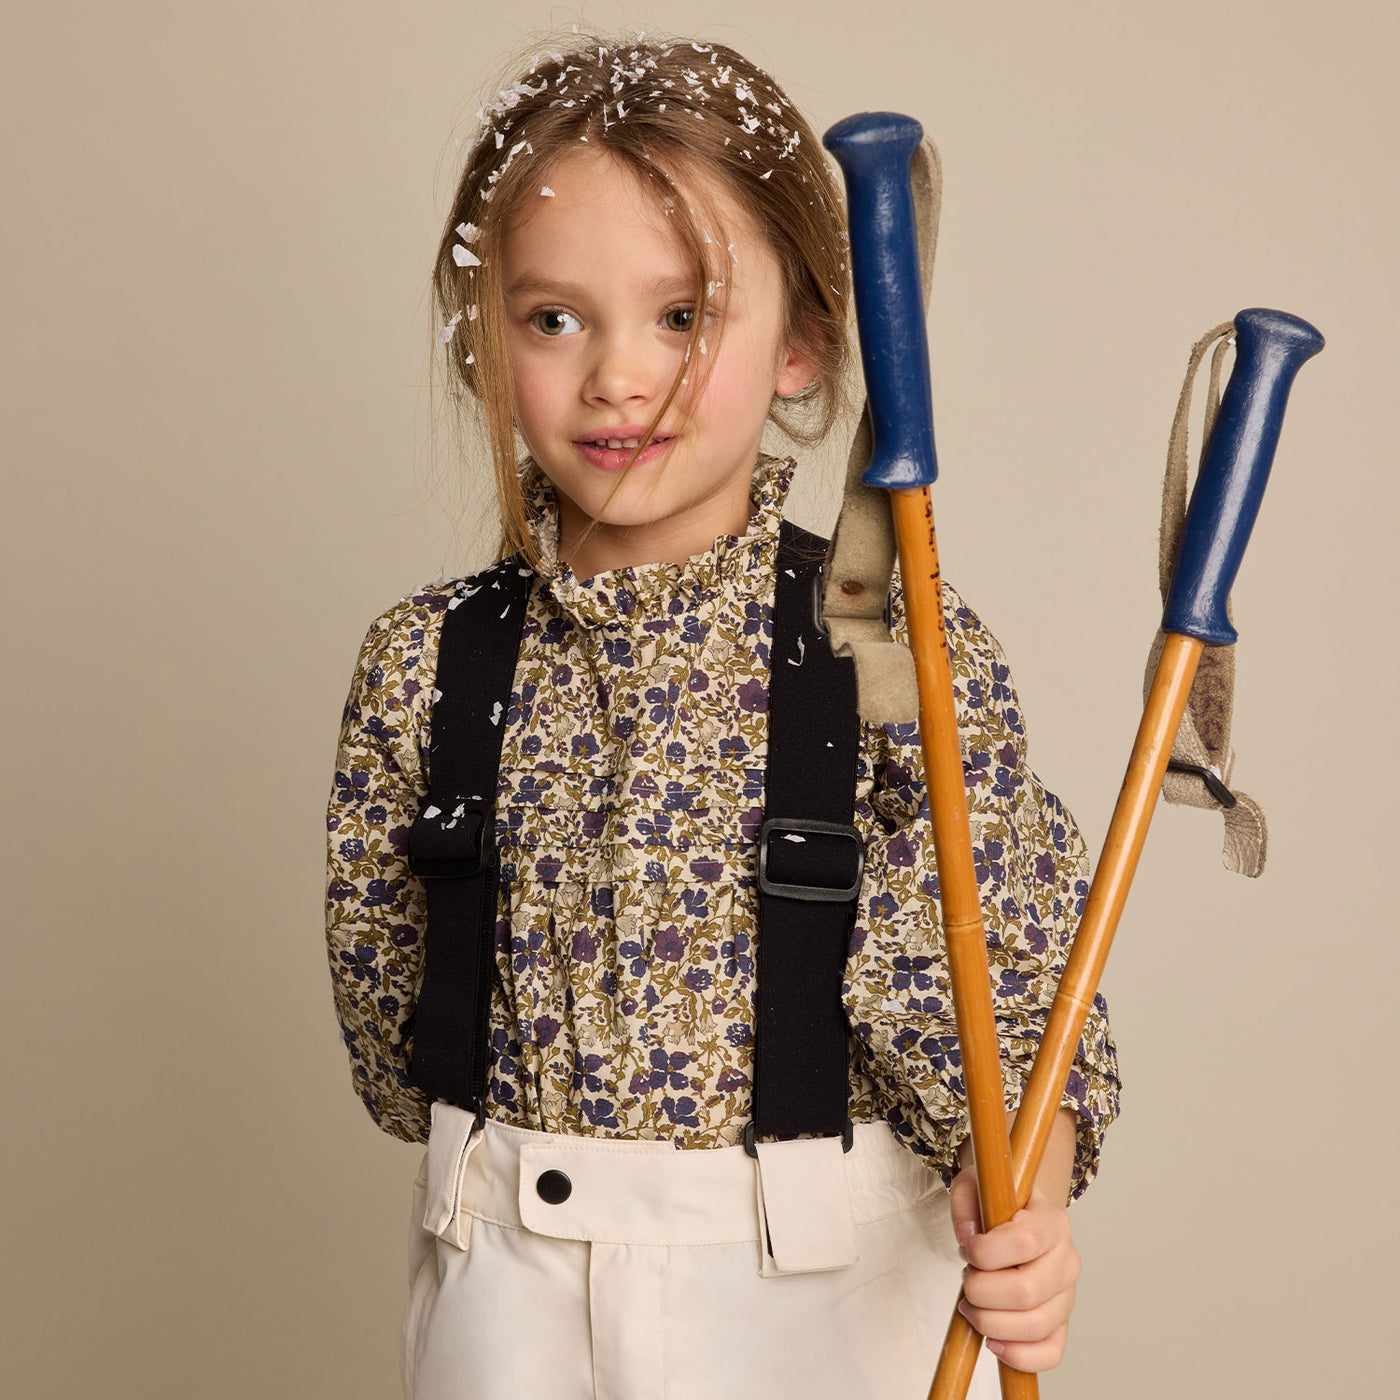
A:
(554, 1187)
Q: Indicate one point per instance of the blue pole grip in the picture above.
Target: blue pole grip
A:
(1270, 348)
(874, 150)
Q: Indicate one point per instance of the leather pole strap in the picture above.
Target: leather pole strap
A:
(1202, 760)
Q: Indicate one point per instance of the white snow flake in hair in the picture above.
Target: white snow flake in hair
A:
(464, 257)
(467, 232)
(447, 332)
(546, 191)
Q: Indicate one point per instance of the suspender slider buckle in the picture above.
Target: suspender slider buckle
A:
(450, 841)
(817, 861)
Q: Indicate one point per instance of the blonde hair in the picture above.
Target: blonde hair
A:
(662, 110)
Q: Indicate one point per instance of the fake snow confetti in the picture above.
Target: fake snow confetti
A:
(447, 332)
(801, 653)
(464, 257)
(467, 232)
(546, 192)
(496, 713)
(793, 836)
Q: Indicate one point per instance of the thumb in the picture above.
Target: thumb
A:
(964, 1206)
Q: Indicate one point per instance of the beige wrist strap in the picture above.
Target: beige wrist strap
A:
(1202, 759)
(860, 560)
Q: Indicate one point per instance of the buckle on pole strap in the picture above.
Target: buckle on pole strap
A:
(813, 861)
(1211, 779)
(450, 842)
(819, 612)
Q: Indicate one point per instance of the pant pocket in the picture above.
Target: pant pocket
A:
(421, 1296)
(880, 1319)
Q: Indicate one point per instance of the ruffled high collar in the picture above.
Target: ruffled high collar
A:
(631, 597)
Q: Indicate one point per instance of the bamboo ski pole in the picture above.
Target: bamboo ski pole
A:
(874, 150)
(1271, 346)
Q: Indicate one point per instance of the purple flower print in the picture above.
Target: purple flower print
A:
(379, 892)
(1013, 983)
(900, 851)
(352, 787)
(670, 944)
(681, 1111)
(600, 1112)
(753, 697)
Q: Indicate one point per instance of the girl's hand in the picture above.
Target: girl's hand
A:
(1018, 1287)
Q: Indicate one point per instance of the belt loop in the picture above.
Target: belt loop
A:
(453, 1137)
(804, 1207)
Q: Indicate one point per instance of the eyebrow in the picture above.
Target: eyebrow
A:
(531, 284)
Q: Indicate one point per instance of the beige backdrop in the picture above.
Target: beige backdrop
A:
(221, 465)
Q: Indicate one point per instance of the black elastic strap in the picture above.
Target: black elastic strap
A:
(810, 861)
(452, 845)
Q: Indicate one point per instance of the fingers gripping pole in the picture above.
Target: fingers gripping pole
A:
(874, 151)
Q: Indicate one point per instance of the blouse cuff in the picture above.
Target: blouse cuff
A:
(1091, 1090)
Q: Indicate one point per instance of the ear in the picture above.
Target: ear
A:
(797, 367)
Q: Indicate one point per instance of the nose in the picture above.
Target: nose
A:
(625, 369)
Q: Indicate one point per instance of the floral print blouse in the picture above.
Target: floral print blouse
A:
(628, 805)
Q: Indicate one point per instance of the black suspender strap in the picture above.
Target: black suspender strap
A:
(452, 845)
(810, 862)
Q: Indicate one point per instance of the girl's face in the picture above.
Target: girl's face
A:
(598, 305)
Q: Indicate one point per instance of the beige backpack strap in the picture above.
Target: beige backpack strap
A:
(1202, 760)
(860, 560)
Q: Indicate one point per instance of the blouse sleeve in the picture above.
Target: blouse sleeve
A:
(376, 911)
(1033, 871)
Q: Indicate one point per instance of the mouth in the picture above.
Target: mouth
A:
(614, 453)
(626, 442)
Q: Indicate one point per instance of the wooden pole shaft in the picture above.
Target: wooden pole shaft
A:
(1161, 718)
(960, 896)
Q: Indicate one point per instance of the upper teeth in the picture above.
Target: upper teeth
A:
(615, 442)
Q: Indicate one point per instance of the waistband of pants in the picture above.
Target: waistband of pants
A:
(630, 1192)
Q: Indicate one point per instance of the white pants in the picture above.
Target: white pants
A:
(574, 1267)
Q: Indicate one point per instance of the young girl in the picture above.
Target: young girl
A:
(644, 262)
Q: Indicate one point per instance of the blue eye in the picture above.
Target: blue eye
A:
(554, 322)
